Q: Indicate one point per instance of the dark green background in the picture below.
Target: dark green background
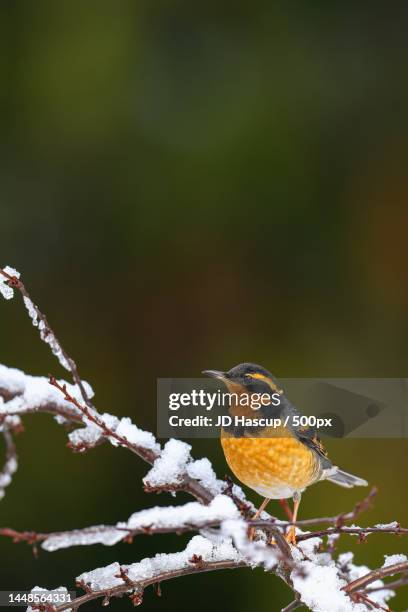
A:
(187, 186)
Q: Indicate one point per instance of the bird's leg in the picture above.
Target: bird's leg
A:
(261, 508)
(290, 537)
(285, 505)
(256, 516)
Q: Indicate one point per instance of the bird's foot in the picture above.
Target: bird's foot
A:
(290, 535)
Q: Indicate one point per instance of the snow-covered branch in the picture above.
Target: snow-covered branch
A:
(10, 464)
(221, 514)
(10, 280)
(115, 580)
(192, 516)
(320, 582)
(388, 569)
(22, 394)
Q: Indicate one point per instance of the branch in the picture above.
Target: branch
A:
(187, 484)
(140, 585)
(360, 531)
(46, 333)
(112, 534)
(311, 574)
(91, 415)
(87, 410)
(363, 598)
(395, 584)
(292, 606)
(192, 516)
(378, 574)
(338, 519)
(23, 394)
(115, 580)
(10, 465)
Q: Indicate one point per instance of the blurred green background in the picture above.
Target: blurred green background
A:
(188, 186)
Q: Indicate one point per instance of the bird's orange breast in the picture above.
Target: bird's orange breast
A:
(274, 467)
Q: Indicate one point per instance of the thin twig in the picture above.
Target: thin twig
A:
(292, 606)
(86, 413)
(46, 408)
(190, 485)
(395, 584)
(16, 283)
(32, 537)
(78, 414)
(361, 531)
(358, 597)
(378, 574)
(271, 525)
(338, 519)
(10, 464)
(93, 416)
(286, 508)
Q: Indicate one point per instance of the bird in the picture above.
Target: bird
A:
(277, 462)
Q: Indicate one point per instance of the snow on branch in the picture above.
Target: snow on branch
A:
(10, 465)
(33, 394)
(323, 584)
(192, 516)
(221, 514)
(199, 551)
(115, 580)
(339, 521)
(10, 280)
(23, 394)
(98, 426)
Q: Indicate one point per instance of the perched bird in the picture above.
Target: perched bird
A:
(276, 462)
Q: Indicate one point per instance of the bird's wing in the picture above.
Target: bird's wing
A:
(306, 434)
(312, 440)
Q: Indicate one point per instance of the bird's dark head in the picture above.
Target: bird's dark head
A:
(250, 377)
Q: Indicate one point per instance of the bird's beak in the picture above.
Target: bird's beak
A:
(215, 374)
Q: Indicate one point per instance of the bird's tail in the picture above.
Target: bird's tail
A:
(346, 480)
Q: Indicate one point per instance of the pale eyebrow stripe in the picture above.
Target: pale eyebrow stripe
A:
(268, 381)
